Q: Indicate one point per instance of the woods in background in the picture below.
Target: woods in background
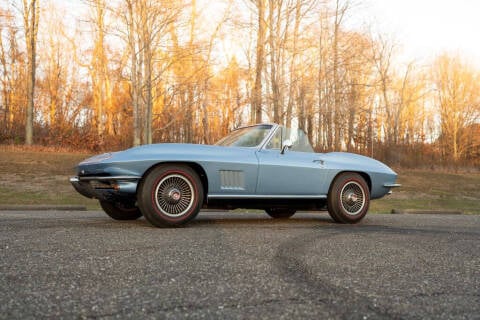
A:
(131, 72)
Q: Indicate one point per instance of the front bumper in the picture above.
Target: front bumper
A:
(390, 186)
(108, 188)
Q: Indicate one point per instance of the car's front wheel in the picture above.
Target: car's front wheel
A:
(280, 213)
(121, 210)
(349, 198)
(170, 195)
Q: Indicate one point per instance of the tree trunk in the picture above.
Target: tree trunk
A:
(148, 95)
(134, 79)
(146, 41)
(30, 16)
(256, 116)
(336, 86)
(293, 72)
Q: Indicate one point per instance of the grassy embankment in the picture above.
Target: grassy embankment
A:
(36, 176)
(33, 176)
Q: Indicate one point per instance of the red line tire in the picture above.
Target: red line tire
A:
(349, 198)
(170, 195)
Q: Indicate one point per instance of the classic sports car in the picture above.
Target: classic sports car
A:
(265, 166)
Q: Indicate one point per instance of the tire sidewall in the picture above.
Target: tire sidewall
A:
(148, 201)
(335, 207)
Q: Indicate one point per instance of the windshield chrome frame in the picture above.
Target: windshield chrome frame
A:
(273, 130)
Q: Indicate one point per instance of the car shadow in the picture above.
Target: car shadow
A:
(260, 221)
(234, 219)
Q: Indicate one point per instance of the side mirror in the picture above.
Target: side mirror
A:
(287, 144)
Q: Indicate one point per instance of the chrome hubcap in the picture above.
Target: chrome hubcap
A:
(353, 198)
(174, 195)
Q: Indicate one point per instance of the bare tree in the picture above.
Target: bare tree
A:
(146, 22)
(341, 8)
(31, 15)
(208, 76)
(102, 95)
(293, 63)
(135, 76)
(382, 54)
(458, 98)
(12, 77)
(256, 110)
(274, 21)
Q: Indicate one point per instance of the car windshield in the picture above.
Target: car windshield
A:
(245, 137)
(296, 137)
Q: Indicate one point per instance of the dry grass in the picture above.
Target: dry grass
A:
(39, 175)
(435, 190)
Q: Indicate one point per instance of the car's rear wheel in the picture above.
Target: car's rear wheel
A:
(170, 195)
(280, 213)
(121, 210)
(349, 198)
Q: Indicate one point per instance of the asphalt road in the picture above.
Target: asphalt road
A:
(239, 265)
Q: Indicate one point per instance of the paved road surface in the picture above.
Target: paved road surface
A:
(239, 265)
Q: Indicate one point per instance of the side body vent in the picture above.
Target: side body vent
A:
(232, 180)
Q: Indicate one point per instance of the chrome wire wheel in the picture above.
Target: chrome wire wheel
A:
(352, 198)
(348, 198)
(170, 195)
(174, 195)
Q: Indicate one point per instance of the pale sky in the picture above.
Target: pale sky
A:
(425, 28)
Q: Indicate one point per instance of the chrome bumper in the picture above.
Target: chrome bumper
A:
(107, 178)
(84, 188)
(120, 187)
(390, 186)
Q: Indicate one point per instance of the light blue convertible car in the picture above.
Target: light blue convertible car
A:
(265, 166)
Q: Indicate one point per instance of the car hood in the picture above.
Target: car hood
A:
(178, 151)
(340, 159)
(175, 148)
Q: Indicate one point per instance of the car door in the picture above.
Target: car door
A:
(232, 171)
(291, 173)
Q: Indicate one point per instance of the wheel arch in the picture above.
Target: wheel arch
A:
(193, 165)
(364, 175)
